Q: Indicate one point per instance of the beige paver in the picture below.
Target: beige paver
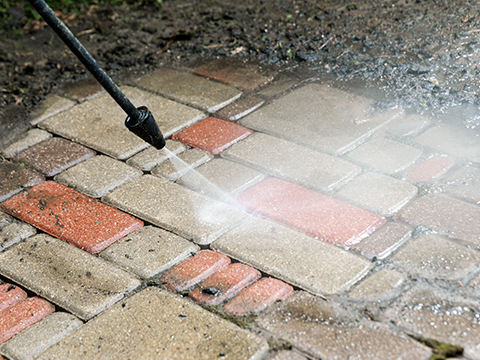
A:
(52, 105)
(147, 159)
(15, 232)
(378, 286)
(28, 139)
(175, 167)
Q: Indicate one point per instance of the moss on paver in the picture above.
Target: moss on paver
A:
(440, 350)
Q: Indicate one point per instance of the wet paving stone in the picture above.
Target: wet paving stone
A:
(305, 210)
(257, 297)
(323, 330)
(213, 135)
(15, 232)
(52, 105)
(379, 193)
(35, 339)
(384, 155)
(5, 219)
(149, 251)
(430, 169)
(379, 286)
(71, 216)
(30, 138)
(189, 89)
(313, 116)
(174, 168)
(434, 257)
(293, 257)
(21, 315)
(175, 208)
(166, 326)
(240, 108)
(97, 176)
(463, 183)
(15, 178)
(225, 284)
(65, 275)
(408, 125)
(99, 123)
(292, 162)
(151, 157)
(10, 295)
(81, 90)
(194, 270)
(385, 240)
(54, 155)
(446, 215)
(287, 355)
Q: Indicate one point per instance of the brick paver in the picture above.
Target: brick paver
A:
(379, 286)
(240, 108)
(430, 169)
(213, 135)
(463, 183)
(10, 295)
(323, 330)
(293, 257)
(315, 214)
(98, 175)
(14, 178)
(149, 251)
(12, 233)
(21, 315)
(147, 159)
(257, 297)
(65, 275)
(99, 123)
(35, 339)
(189, 89)
(156, 324)
(175, 167)
(52, 105)
(173, 207)
(54, 155)
(30, 138)
(225, 284)
(384, 155)
(446, 215)
(313, 116)
(194, 270)
(292, 162)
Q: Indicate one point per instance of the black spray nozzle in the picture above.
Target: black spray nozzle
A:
(145, 127)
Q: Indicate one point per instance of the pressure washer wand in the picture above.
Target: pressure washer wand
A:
(140, 120)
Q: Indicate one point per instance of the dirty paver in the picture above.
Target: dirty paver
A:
(30, 138)
(15, 178)
(240, 108)
(15, 232)
(175, 167)
(52, 105)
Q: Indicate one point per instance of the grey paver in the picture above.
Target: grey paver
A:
(408, 125)
(463, 183)
(35, 339)
(30, 138)
(292, 162)
(189, 89)
(99, 123)
(147, 159)
(240, 108)
(313, 116)
(52, 105)
(384, 155)
(173, 207)
(230, 179)
(175, 167)
(156, 324)
(378, 286)
(5, 219)
(460, 142)
(379, 193)
(14, 233)
(98, 175)
(15, 178)
(149, 251)
(446, 215)
(293, 257)
(323, 330)
(65, 275)
(434, 257)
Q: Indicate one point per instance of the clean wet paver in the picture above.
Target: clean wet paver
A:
(315, 214)
(149, 251)
(213, 135)
(54, 155)
(65, 275)
(151, 157)
(15, 178)
(30, 138)
(379, 286)
(15, 232)
(463, 183)
(430, 169)
(240, 108)
(35, 339)
(194, 270)
(314, 117)
(71, 216)
(189, 89)
(10, 295)
(408, 125)
(173, 207)
(97, 176)
(293, 257)
(292, 162)
(156, 324)
(175, 167)
(99, 123)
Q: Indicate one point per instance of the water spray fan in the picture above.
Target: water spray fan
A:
(140, 120)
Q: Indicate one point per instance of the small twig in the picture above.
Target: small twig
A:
(356, 71)
(326, 42)
(346, 51)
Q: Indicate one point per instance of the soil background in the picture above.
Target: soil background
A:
(422, 54)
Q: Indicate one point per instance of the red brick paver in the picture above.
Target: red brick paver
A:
(431, 169)
(258, 296)
(315, 214)
(196, 269)
(71, 216)
(225, 284)
(22, 315)
(10, 295)
(213, 135)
